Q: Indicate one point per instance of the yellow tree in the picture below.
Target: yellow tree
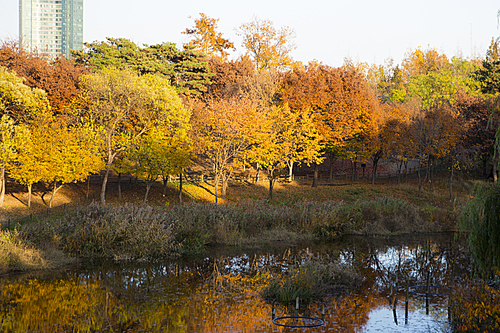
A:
(156, 155)
(73, 154)
(267, 46)
(207, 39)
(18, 103)
(122, 106)
(222, 131)
(52, 152)
(284, 138)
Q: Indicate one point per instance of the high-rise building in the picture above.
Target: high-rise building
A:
(51, 27)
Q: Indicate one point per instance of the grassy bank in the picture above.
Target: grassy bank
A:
(18, 254)
(139, 231)
(125, 229)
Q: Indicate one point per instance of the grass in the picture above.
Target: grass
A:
(17, 254)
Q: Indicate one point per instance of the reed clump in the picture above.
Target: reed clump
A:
(310, 281)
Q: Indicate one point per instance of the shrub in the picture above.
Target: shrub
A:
(476, 307)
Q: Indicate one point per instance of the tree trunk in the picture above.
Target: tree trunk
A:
(120, 187)
(180, 188)
(431, 169)
(451, 182)
(225, 180)
(271, 180)
(316, 175)
(257, 173)
(406, 171)
(332, 163)
(2, 185)
(353, 172)
(400, 166)
(165, 181)
(419, 179)
(54, 194)
(148, 187)
(29, 195)
(290, 171)
(374, 171)
(104, 183)
(216, 187)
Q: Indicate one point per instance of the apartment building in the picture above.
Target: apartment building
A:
(51, 27)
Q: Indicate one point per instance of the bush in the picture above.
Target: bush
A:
(476, 307)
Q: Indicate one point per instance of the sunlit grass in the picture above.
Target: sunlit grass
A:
(16, 255)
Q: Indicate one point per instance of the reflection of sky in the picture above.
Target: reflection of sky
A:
(381, 319)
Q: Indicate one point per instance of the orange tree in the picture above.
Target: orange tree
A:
(341, 102)
(206, 38)
(222, 132)
(58, 78)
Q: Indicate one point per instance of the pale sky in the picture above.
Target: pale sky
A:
(327, 30)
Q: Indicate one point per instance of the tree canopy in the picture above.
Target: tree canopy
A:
(186, 69)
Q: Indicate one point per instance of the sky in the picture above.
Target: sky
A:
(327, 30)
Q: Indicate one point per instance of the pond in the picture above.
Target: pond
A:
(219, 291)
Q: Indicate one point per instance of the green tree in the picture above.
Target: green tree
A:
(122, 106)
(186, 69)
(481, 219)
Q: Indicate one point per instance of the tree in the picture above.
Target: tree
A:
(156, 155)
(206, 38)
(185, 69)
(30, 163)
(18, 100)
(493, 52)
(434, 133)
(481, 219)
(51, 151)
(228, 76)
(223, 130)
(58, 78)
(18, 103)
(342, 104)
(267, 46)
(122, 106)
(284, 138)
(9, 135)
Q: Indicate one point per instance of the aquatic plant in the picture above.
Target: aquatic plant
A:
(309, 281)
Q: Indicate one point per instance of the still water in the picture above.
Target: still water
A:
(219, 291)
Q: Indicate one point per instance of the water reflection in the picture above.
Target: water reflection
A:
(220, 292)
